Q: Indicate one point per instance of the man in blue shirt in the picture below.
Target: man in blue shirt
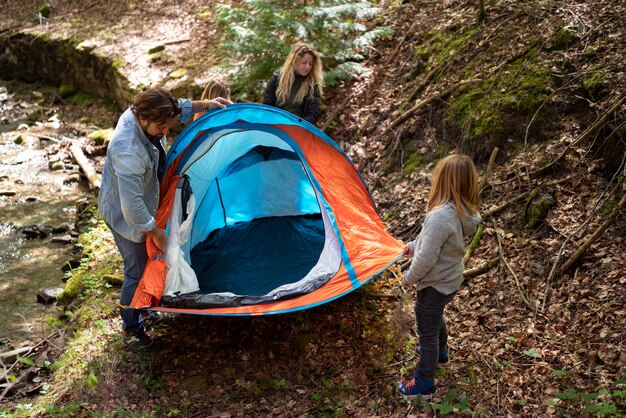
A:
(129, 194)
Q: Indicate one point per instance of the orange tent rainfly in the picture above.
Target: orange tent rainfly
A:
(264, 214)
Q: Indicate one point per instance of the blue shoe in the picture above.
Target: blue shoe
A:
(418, 387)
(443, 354)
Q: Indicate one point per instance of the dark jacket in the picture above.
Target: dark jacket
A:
(310, 104)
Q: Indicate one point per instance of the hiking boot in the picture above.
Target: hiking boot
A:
(418, 387)
(443, 354)
(137, 339)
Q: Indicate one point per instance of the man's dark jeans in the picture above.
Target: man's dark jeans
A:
(135, 258)
(431, 328)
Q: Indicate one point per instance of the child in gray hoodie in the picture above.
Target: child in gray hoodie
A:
(437, 267)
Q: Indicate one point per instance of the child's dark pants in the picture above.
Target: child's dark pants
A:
(431, 328)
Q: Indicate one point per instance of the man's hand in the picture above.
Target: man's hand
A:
(159, 238)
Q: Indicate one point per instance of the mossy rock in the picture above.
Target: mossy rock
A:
(157, 56)
(87, 46)
(103, 136)
(156, 49)
(180, 73)
(115, 280)
(564, 37)
(73, 288)
(56, 165)
(538, 206)
(595, 83)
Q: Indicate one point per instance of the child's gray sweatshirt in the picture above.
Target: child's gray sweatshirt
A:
(439, 249)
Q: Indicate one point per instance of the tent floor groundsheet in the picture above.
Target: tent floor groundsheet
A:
(241, 258)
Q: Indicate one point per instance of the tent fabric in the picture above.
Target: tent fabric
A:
(264, 214)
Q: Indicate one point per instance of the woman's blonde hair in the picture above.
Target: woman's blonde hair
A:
(216, 88)
(287, 74)
(455, 180)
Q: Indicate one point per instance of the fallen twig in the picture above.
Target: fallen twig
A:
(523, 296)
(400, 119)
(555, 266)
(474, 244)
(598, 232)
(485, 181)
(483, 268)
(337, 111)
(523, 196)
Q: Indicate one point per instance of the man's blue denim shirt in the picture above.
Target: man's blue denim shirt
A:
(129, 195)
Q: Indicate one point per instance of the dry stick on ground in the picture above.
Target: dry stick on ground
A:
(525, 298)
(557, 262)
(591, 130)
(474, 244)
(522, 197)
(337, 111)
(11, 385)
(395, 51)
(485, 181)
(6, 372)
(570, 262)
(85, 165)
(483, 268)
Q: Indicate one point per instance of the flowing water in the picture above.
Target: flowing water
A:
(30, 194)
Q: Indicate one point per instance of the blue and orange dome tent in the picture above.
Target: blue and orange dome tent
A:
(264, 214)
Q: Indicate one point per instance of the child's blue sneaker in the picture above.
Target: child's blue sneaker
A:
(418, 387)
(443, 354)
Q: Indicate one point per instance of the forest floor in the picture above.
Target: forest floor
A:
(525, 340)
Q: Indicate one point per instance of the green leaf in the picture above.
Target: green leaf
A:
(25, 360)
(570, 393)
(92, 380)
(559, 373)
(532, 352)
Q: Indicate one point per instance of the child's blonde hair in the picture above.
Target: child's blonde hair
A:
(216, 88)
(314, 79)
(455, 180)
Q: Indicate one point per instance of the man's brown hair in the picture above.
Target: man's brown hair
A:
(156, 105)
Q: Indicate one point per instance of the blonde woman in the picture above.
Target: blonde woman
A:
(298, 86)
(437, 266)
(214, 88)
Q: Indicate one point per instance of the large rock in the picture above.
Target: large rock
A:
(48, 296)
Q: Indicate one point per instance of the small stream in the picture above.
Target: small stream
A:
(31, 194)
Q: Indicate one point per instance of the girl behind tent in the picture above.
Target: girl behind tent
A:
(298, 86)
(214, 88)
(437, 267)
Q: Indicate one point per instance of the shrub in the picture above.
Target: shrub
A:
(258, 36)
